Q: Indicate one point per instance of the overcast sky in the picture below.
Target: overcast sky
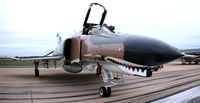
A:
(29, 27)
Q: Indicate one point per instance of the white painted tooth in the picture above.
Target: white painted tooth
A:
(140, 70)
(135, 71)
(145, 71)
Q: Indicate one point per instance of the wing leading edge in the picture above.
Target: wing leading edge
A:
(38, 58)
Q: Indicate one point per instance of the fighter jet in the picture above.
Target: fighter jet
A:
(190, 55)
(98, 49)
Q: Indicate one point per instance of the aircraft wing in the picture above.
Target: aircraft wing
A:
(38, 58)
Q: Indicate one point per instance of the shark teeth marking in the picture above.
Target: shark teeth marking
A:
(128, 68)
(122, 62)
(134, 71)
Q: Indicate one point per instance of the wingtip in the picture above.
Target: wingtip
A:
(15, 58)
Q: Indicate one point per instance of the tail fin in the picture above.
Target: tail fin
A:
(59, 39)
(58, 48)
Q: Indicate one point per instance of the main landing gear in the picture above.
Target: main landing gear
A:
(37, 74)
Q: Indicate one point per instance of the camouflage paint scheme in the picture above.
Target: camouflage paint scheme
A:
(110, 50)
(98, 49)
(132, 48)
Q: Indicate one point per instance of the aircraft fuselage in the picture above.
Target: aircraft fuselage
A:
(132, 48)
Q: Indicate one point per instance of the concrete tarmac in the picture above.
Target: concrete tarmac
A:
(18, 85)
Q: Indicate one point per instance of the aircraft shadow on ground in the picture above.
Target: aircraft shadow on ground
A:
(60, 78)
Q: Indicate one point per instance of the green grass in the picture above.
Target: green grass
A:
(10, 62)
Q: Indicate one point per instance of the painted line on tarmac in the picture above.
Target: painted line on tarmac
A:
(183, 97)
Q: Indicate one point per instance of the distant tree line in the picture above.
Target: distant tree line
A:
(4, 61)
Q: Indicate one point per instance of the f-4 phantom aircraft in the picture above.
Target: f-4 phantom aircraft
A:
(98, 49)
(190, 55)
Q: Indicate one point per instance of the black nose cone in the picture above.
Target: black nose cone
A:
(168, 54)
(148, 51)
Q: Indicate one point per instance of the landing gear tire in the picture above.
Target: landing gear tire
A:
(183, 61)
(108, 91)
(103, 92)
(149, 73)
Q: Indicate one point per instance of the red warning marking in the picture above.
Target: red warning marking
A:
(194, 59)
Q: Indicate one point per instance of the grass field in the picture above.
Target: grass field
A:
(10, 62)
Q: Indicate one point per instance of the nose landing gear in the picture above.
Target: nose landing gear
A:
(105, 91)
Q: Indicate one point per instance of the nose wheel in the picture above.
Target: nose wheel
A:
(105, 91)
